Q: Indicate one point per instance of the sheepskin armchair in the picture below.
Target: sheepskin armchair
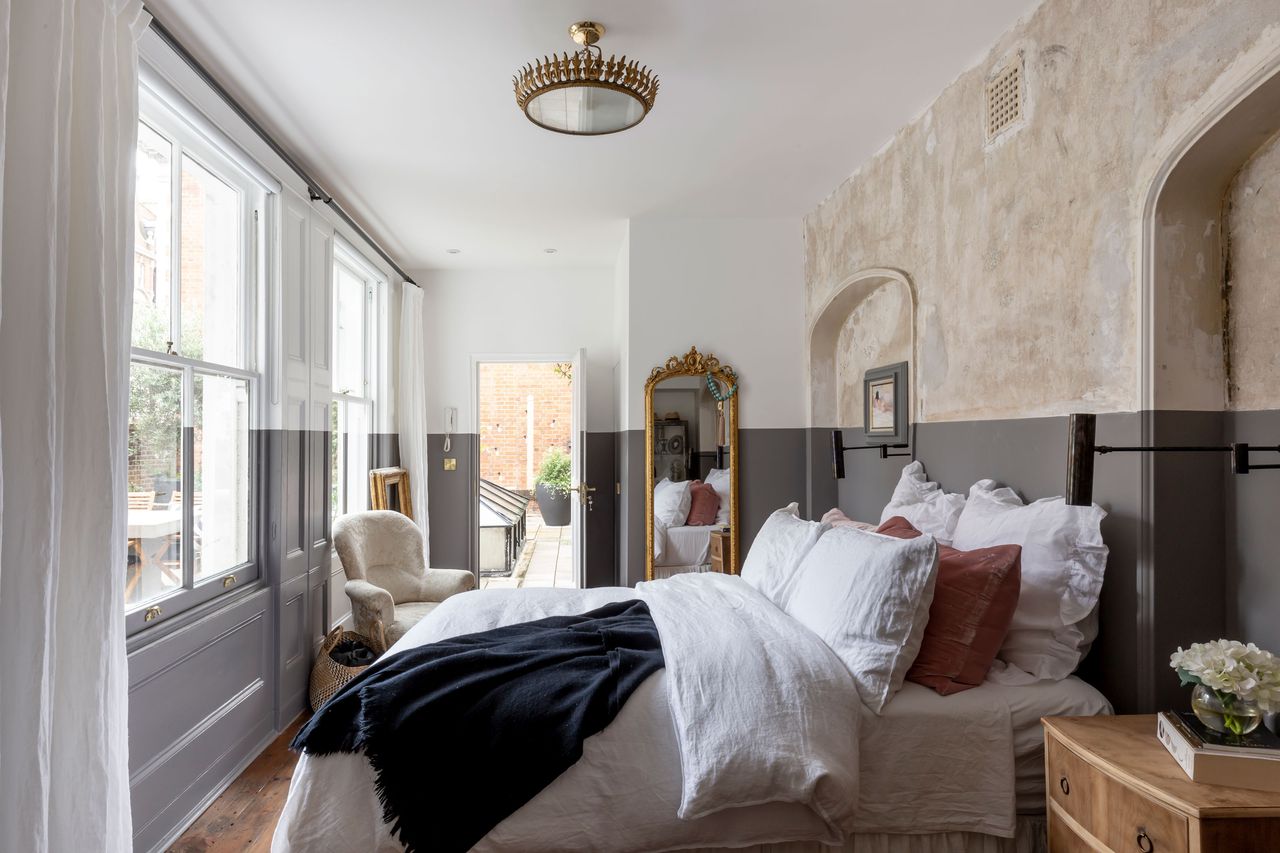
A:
(387, 577)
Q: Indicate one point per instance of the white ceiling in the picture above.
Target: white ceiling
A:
(404, 109)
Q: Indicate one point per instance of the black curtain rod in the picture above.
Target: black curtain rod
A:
(314, 189)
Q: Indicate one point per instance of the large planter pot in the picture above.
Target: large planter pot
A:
(554, 506)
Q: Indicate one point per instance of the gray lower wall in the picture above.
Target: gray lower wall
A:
(1030, 456)
(1253, 535)
(201, 706)
(1195, 563)
(773, 475)
(452, 499)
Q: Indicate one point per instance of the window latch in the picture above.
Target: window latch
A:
(168, 348)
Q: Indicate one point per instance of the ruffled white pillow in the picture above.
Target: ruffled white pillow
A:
(923, 503)
(1063, 563)
(783, 541)
(671, 503)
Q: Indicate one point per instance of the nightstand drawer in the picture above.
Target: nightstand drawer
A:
(1129, 821)
(1063, 840)
(1071, 782)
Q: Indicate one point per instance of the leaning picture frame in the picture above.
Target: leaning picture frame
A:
(389, 489)
(885, 404)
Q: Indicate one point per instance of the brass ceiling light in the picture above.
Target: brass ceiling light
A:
(582, 93)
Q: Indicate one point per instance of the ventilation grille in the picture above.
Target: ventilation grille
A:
(1004, 100)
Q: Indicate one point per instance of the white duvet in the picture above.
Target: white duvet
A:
(750, 735)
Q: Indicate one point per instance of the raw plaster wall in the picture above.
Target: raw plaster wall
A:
(1252, 216)
(877, 332)
(1024, 252)
(1253, 240)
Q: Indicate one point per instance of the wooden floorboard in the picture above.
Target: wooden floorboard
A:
(244, 816)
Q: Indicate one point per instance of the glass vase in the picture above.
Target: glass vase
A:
(1224, 712)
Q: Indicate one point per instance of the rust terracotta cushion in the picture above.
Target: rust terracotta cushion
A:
(973, 604)
(704, 505)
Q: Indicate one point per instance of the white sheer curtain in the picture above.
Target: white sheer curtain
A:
(68, 134)
(411, 405)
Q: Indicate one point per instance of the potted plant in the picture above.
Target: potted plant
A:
(551, 488)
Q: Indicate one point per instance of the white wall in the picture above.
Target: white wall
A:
(621, 302)
(731, 287)
(518, 313)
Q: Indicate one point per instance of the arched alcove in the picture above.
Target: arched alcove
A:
(1205, 529)
(867, 322)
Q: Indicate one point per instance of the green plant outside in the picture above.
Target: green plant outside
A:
(155, 399)
(555, 473)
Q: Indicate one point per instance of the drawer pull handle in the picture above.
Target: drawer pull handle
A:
(1145, 844)
(1065, 785)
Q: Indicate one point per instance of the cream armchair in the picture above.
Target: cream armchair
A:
(387, 578)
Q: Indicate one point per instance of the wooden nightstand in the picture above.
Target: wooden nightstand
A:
(1113, 787)
(719, 551)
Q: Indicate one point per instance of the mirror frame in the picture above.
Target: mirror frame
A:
(381, 482)
(692, 363)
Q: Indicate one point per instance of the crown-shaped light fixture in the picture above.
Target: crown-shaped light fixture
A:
(582, 93)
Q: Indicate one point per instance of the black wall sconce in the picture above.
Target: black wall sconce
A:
(838, 450)
(1082, 429)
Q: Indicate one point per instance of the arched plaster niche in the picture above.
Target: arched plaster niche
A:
(1184, 368)
(867, 322)
(1184, 361)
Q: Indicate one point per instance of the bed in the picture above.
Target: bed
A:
(681, 549)
(992, 731)
(873, 691)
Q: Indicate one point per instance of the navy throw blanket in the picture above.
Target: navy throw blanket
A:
(463, 732)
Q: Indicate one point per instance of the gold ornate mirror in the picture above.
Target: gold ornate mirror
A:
(691, 466)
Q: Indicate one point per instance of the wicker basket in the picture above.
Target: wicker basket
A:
(328, 676)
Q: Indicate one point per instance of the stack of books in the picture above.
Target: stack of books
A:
(1248, 761)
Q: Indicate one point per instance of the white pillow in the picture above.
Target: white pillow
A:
(671, 502)
(719, 479)
(929, 509)
(1063, 562)
(777, 550)
(867, 596)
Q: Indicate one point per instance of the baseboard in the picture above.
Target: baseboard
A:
(217, 791)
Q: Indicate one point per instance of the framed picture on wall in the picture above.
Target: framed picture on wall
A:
(885, 404)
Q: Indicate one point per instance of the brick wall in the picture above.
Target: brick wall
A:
(504, 411)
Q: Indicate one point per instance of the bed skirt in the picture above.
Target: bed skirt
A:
(1030, 837)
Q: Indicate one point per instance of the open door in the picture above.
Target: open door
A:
(584, 501)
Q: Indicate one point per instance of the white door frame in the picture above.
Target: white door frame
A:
(576, 426)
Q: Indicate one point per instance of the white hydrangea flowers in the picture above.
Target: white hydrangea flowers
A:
(1229, 666)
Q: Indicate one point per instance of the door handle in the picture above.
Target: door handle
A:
(584, 494)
